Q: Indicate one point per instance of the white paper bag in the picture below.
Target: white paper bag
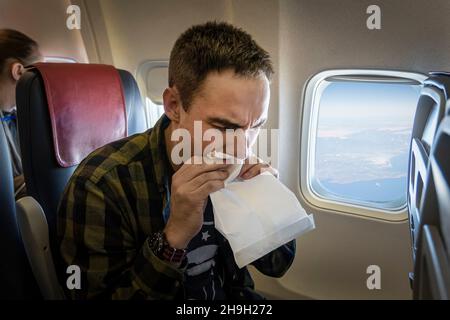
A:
(257, 216)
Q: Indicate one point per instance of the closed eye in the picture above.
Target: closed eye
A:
(220, 128)
(260, 124)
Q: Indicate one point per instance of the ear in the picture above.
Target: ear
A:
(172, 104)
(17, 70)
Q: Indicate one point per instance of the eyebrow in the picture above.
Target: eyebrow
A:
(225, 123)
(232, 125)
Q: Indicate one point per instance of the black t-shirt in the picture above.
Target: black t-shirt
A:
(204, 277)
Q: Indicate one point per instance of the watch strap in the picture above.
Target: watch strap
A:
(162, 249)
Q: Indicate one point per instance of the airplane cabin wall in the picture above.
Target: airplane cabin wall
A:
(141, 30)
(324, 34)
(45, 22)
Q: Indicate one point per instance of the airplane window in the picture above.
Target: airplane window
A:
(361, 129)
(153, 79)
(59, 60)
(154, 111)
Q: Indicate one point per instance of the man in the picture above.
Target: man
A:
(139, 224)
(16, 52)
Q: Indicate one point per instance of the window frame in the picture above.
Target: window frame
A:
(59, 59)
(141, 75)
(309, 119)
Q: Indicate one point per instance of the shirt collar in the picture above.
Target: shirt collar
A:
(13, 111)
(7, 116)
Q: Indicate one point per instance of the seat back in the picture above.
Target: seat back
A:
(429, 113)
(66, 111)
(44, 175)
(16, 279)
(432, 267)
(136, 119)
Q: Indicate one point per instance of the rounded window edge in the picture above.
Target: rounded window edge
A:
(141, 74)
(392, 207)
(313, 199)
(317, 202)
(59, 59)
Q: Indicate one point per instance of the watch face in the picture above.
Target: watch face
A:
(160, 242)
(162, 249)
(156, 243)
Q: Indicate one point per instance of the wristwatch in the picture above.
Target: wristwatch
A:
(161, 248)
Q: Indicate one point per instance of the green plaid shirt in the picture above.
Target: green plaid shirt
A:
(112, 204)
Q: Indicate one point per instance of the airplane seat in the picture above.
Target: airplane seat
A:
(432, 265)
(136, 119)
(16, 278)
(430, 110)
(65, 111)
(447, 108)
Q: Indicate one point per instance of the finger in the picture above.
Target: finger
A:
(245, 168)
(191, 161)
(193, 170)
(250, 162)
(271, 170)
(258, 169)
(252, 172)
(208, 187)
(249, 169)
(201, 179)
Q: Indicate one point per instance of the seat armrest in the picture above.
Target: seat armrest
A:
(34, 232)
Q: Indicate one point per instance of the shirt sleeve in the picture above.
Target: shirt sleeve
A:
(277, 262)
(96, 235)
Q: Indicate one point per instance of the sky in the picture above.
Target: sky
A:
(349, 106)
(363, 139)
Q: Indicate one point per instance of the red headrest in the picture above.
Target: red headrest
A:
(86, 107)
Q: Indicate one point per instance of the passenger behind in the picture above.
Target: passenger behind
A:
(16, 52)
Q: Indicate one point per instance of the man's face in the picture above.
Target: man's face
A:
(227, 101)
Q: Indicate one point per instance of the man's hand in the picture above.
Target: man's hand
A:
(191, 186)
(254, 166)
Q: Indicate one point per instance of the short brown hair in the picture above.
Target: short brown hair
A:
(16, 45)
(212, 47)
